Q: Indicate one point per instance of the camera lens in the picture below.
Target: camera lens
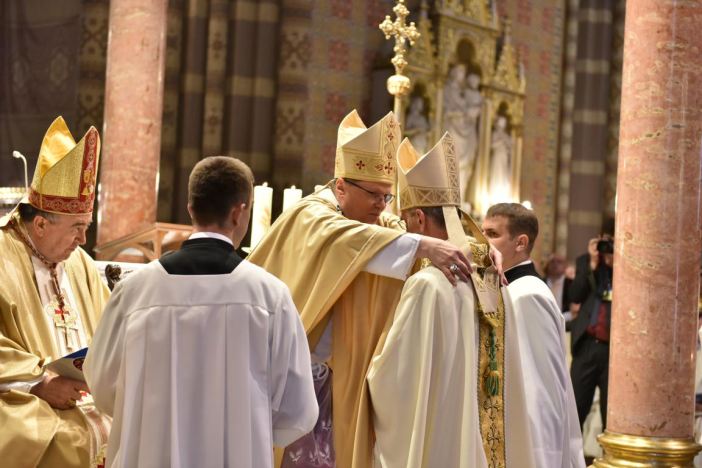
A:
(605, 246)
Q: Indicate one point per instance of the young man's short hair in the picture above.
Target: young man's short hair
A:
(520, 220)
(216, 185)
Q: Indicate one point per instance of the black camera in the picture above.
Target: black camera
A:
(605, 246)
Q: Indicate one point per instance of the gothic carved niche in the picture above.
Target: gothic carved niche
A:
(467, 80)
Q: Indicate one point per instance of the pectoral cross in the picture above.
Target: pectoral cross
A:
(63, 319)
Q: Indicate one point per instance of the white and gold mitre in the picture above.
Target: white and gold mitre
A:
(64, 179)
(429, 180)
(367, 153)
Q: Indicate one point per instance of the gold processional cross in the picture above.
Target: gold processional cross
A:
(399, 84)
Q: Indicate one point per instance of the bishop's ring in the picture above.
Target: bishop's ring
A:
(454, 268)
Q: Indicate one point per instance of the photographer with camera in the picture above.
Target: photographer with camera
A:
(592, 288)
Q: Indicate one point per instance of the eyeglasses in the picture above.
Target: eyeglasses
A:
(386, 197)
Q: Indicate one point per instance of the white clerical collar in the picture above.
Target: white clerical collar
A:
(211, 235)
(525, 262)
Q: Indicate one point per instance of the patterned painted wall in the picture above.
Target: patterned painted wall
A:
(538, 28)
(329, 52)
(39, 78)
(327, 56)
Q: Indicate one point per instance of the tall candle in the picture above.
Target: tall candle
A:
(261, 215)
(291, 196)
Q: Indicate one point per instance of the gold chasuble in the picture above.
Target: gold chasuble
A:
(320, 255)
(32, 432)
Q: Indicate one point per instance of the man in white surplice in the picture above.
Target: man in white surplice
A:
(201, 356)
(424, 383)
(555, 429)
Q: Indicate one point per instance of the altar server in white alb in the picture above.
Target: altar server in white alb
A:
(555, 429)
(201, 356)
(438, 398)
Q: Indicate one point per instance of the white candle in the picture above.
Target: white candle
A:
(291, 196)
(261, 215)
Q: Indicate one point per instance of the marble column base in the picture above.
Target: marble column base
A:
(630, 451)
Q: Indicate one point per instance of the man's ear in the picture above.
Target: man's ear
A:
(522, 243)
(421, 220)
(339, 186)
(190, 211)
(236, 213)
(39, 224)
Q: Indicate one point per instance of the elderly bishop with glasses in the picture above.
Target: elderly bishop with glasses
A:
(344, 259)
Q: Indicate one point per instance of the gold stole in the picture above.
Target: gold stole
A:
(491, 372)
(491, 350)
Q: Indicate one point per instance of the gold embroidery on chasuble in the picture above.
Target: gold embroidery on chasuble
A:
(424, 263)
(481, 256)
(491, 371)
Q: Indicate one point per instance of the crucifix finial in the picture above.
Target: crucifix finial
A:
(399, 84)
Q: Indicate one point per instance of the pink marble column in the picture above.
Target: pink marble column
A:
(657, 244)
(131, 140)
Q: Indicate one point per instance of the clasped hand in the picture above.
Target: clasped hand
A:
(60, 392)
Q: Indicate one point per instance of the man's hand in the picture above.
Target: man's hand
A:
(496, 258)
(446, 257)
(59, 392)
(574, 310)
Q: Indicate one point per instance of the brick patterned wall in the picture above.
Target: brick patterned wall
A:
(326, 59)
(538, 30)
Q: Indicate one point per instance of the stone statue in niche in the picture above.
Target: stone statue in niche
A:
(500, 177)
(461, 116)
(417, 125)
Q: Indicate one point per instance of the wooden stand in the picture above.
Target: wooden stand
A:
(145, 245)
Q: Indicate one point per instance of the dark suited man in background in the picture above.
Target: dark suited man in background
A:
(559, 283)
(592, 287)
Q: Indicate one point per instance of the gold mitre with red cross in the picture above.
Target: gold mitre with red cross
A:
(367, 153)
(66, 172)
(428, 180)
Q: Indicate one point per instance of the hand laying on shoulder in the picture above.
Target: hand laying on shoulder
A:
(446, 257)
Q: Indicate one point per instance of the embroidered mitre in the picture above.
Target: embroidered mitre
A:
(367, 153)
(429, 180)
(66, 172)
